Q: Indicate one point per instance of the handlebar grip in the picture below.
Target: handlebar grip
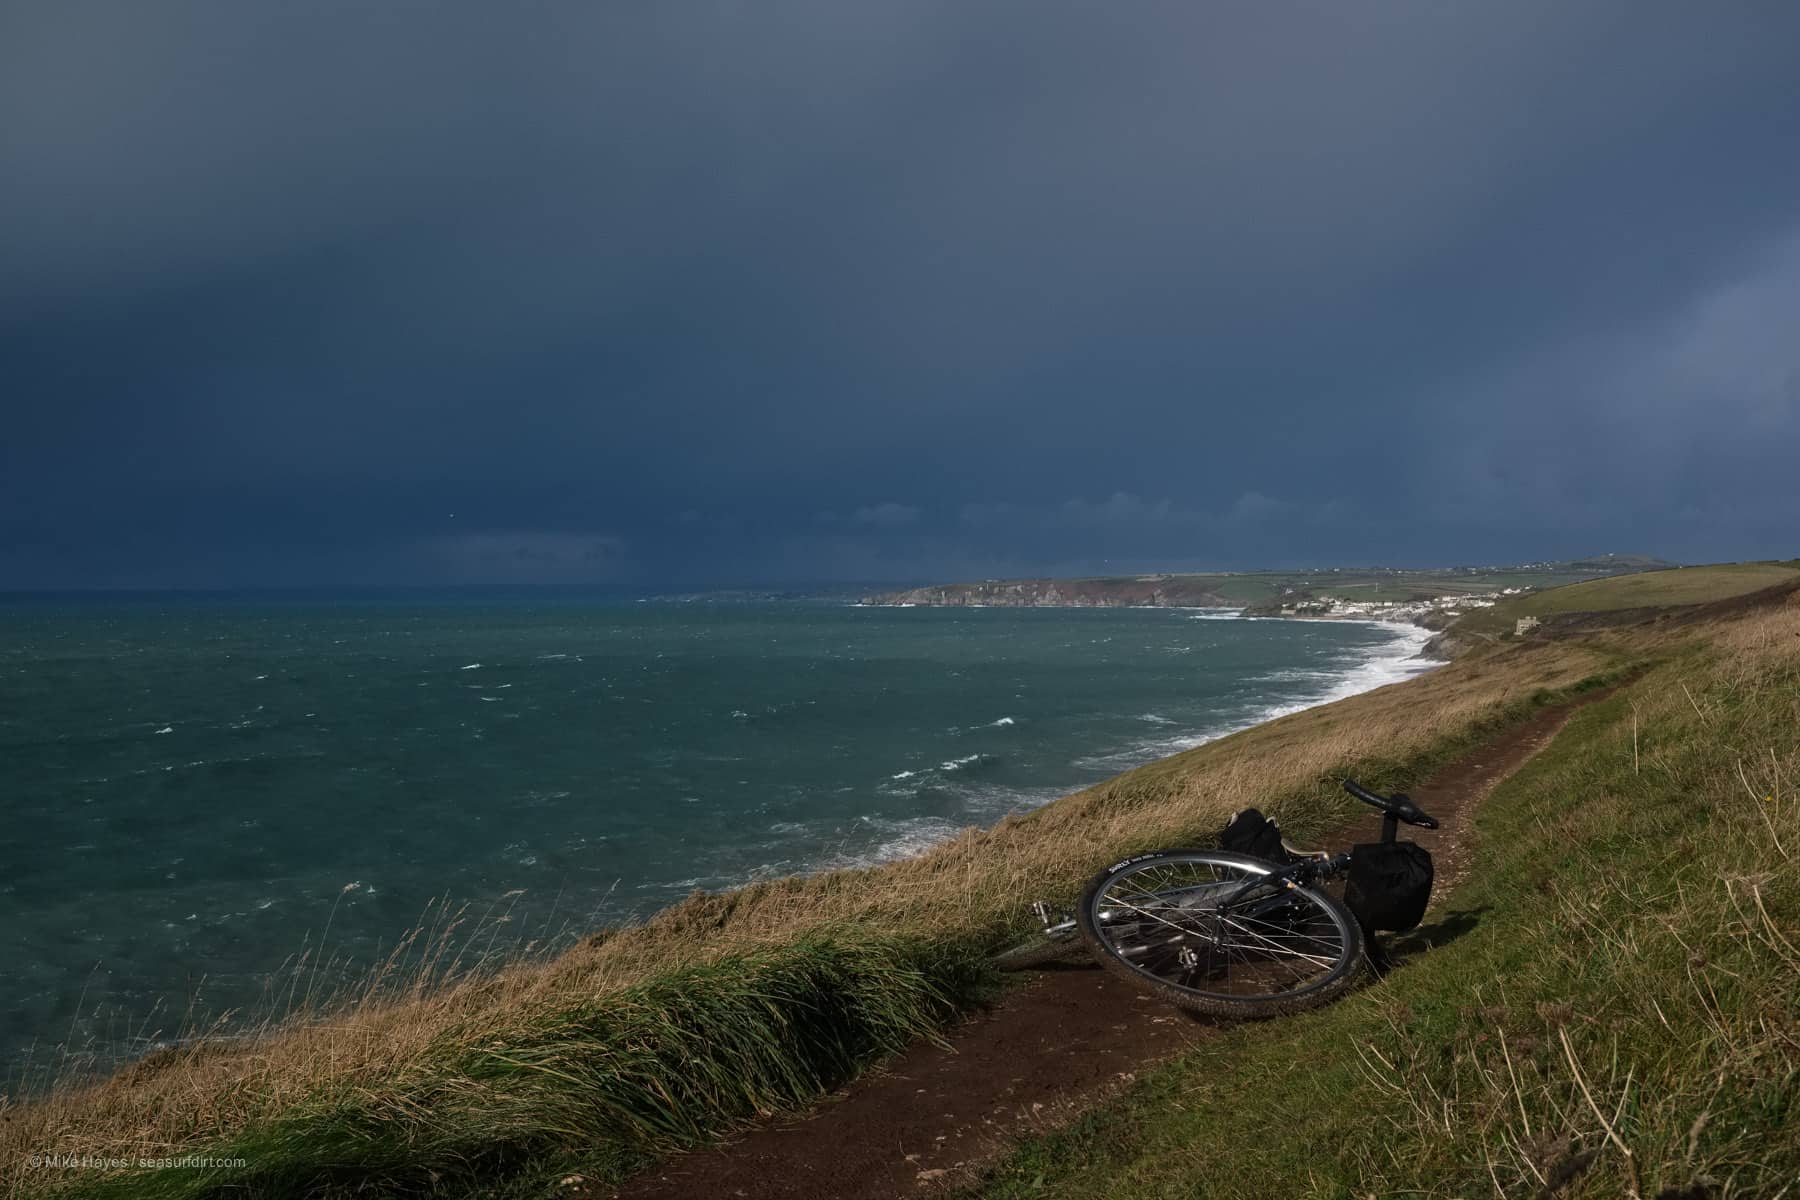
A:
(1398, 805)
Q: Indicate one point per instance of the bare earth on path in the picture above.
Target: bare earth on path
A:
(934, 1115)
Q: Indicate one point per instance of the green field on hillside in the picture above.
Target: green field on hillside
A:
(1648, 589)
(1391, 583)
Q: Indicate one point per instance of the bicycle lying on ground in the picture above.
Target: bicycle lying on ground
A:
(1242, 935)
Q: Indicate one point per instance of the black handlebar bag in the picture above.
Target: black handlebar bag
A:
(1389, 885)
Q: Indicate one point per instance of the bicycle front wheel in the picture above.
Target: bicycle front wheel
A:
(1207, 931)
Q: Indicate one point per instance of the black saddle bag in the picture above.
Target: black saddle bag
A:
(1249, 832)
(1389, 885)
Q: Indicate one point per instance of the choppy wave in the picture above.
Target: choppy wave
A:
(900, 838)
(1358, 672)
(1396, 661)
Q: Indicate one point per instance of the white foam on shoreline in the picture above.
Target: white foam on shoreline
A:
(897, 838)
(1398, 660)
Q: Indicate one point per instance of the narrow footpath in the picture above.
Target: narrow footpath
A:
(933, 1116)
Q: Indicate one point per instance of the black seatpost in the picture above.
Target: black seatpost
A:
(1390, 827)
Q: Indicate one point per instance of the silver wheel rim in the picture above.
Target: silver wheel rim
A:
(1164, 920)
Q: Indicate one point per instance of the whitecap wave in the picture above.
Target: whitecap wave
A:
(1396, 661)
(902, 837)
(960, 798)
(1298, 674)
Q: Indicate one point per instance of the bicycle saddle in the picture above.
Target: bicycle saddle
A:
(1398, 805)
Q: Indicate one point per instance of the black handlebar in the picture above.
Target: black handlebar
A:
(1398, 806)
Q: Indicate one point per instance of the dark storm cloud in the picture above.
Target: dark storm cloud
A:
(715, 292)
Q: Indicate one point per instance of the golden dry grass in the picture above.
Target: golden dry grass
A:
(969, 888)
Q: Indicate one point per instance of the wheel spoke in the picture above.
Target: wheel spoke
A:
(1270, 946)
(1238, 921)
(1169, 921)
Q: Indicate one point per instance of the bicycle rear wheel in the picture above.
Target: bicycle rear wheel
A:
(1204, 930)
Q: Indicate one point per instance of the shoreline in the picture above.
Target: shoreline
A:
(1401, 659)
(1376, 670)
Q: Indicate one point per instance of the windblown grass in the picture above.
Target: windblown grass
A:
(412, 1088)
(599, 1084)
(1609, 1007)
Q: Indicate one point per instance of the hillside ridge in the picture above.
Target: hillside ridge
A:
(1260, 589)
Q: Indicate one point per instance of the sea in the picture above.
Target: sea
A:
(217, 806)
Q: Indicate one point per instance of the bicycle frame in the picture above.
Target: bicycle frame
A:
(1304, 873)
(1299, 875)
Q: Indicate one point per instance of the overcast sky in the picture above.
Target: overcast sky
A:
(690, 293)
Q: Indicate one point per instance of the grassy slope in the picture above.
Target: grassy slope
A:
(590, 1059)
(1609, 1005)
(1651, 589)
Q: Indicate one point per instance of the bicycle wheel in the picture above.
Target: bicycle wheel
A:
(1040, 950)
(1181, 924)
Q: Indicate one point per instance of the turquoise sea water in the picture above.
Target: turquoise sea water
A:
(192, 787)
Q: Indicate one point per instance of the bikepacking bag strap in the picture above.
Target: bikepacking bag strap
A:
(1249, 832)
(1389, 885)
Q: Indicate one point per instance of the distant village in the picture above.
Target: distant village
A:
(1410, 611)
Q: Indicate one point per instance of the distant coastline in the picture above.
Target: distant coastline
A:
(1431, 599)
(1432, 616)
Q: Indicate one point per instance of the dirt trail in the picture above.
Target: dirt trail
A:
(930, 1117)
